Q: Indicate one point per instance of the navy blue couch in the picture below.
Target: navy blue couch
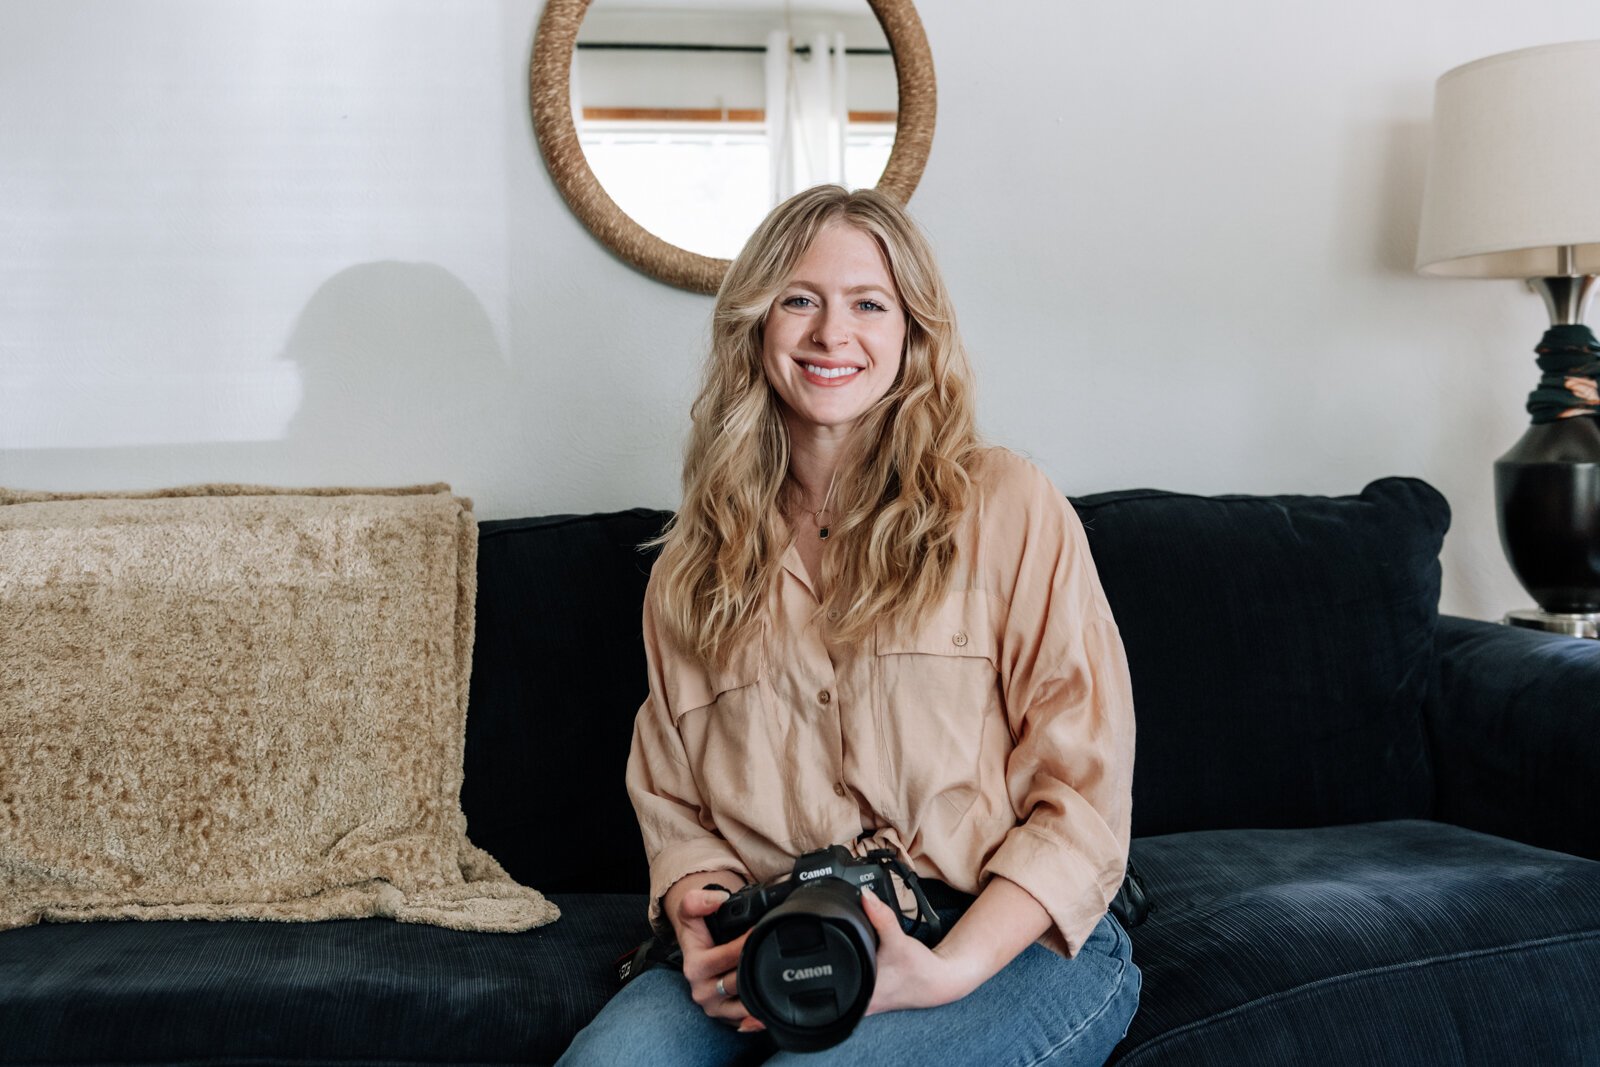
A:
(1369, 833)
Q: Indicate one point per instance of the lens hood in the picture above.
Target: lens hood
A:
(809, 966)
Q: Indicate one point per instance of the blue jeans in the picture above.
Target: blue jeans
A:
(1040, 1009)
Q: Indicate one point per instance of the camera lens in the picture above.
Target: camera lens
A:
(809, 967)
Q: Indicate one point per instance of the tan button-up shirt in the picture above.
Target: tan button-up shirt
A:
(995, 739)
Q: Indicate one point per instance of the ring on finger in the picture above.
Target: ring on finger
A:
(722, 991)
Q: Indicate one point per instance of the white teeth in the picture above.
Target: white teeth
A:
(824, 372)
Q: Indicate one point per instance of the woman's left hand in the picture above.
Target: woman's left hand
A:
(910, 974)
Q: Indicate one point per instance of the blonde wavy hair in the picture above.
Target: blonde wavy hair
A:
(901, 484)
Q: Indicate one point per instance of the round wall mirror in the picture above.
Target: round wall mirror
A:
(673, 126)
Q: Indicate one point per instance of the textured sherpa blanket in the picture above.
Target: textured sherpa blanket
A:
(239, 702)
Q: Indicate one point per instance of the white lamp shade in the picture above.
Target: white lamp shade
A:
(1514, 166)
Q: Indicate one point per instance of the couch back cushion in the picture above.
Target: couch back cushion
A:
(1280, 649)
(558, 674)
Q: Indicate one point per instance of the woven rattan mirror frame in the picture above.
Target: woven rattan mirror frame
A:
(550, 83)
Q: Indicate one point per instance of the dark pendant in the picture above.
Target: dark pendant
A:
(823, 533)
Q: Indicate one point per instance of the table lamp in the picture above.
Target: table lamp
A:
(1513, 191)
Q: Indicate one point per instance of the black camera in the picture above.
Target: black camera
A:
(811, 962)
(808, 969)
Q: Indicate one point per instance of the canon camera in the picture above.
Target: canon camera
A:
(808, 969)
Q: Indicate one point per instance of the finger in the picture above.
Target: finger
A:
(882, 917)
(698, 903)
(725, 1009)
(692, 912)
(710, 962)
(723, 957)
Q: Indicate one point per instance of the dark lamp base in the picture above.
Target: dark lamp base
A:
(1548, 489)
(1586, 625)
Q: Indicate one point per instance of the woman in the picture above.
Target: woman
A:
(866, 628)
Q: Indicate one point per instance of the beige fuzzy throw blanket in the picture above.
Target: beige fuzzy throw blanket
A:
(238, 702)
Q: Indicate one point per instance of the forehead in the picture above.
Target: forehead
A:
(842, 255)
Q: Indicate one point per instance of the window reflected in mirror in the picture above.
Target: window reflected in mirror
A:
(698, 118)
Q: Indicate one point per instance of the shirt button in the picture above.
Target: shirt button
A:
(824, 696)
(960, 639)
(833, 616)
(838, 787)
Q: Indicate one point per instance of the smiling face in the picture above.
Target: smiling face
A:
(832, 342)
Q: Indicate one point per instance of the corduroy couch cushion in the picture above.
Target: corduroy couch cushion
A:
(1279, 647)
(1393, 942)
(352, 993)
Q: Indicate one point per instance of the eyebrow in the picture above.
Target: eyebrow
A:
(801, 283)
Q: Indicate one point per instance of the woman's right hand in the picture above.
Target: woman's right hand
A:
(705, 962)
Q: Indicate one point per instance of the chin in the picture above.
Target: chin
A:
(831, 419)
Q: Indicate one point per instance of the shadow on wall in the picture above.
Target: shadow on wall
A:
(402, 378)
(1397, 193)
(403, 382)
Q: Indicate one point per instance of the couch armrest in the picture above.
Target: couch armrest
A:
(1513, 718)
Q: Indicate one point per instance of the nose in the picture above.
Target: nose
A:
(830, 331)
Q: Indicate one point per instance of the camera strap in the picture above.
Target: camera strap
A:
(653, 952)
(926, 926)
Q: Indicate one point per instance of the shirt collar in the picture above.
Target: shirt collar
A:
(792, 564)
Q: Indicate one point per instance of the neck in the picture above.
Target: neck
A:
(813, 465)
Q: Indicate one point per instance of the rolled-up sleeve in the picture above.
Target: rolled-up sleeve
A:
(1069, 703)
(679, 838)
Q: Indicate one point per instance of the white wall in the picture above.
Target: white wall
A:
(303, 243)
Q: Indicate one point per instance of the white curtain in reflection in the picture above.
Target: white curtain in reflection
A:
(575, 92)
(807, 114)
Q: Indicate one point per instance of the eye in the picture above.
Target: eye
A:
(871, 305)
(797, 301)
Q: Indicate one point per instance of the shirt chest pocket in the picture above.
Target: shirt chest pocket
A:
(938, 688)
(724, 718)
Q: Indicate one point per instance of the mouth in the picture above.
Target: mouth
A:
(828, 376)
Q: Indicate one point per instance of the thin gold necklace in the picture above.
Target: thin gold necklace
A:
(816, 516)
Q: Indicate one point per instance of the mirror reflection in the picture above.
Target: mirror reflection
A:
(698, 117)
